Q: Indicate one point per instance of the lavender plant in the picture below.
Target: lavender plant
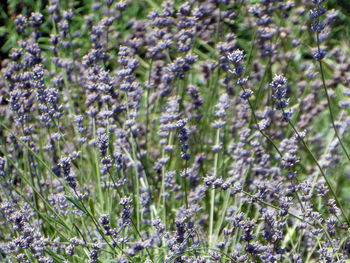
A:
(174, 131)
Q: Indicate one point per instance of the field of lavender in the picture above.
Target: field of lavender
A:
(175, 131)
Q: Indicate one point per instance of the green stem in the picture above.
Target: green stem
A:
(329, 102)
(321, 171)
(258, 128)
(147, 105)
(212, 191)
(137, 185)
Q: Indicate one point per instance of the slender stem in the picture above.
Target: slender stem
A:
(147, 104)
(321, 171)
(273, 206)
(318, 223)
(331, 114)
(258, 128)
(97, 168)
(223, 213)
(212, 191)
(136, 186)
(162, 191)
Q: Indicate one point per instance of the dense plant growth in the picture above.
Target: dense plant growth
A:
(174, 131)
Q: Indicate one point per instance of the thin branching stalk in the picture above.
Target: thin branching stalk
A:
(331, 114)
(322, 172)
